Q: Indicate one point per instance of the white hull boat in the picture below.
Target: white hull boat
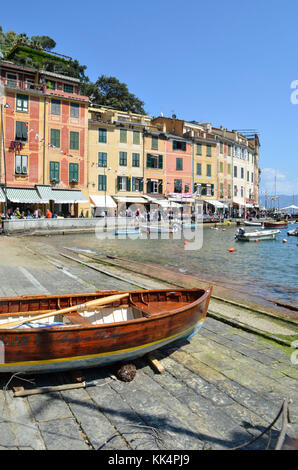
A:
(242, 235)
(252, 224)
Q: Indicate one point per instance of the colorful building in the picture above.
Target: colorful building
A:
(115, 172)
(45, 137)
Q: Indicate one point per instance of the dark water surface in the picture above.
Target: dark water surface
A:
(268, 268)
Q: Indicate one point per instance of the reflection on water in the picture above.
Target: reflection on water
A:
(268, 268)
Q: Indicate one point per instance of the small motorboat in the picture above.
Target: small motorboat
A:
(242, 235)
(159, 228)
(127, 231)
(276, 224)
(250, 223)
(293, 233)
(60, 332)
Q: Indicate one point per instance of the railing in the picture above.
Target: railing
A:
(21, 85)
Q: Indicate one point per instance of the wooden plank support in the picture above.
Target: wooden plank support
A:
(155, 363)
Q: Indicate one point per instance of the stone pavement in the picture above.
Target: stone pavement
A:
(219, 390)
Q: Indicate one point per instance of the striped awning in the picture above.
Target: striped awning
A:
(45, 193)
(67, 196)
(23, 195)
(2, 197)
(103, 201)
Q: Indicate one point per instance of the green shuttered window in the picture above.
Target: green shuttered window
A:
(74, 172)
(54, 171)
(102, 182)
(74, 140)
(55, 137)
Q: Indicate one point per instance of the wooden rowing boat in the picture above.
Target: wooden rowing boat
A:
(275, 224)
(37, 336)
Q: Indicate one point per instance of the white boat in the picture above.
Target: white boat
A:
(252, 224)
(293, 233)
(242, 235)
(159, 228)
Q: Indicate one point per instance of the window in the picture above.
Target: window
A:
(186, 188)
(229, 168)
(197, 189)
(177, 186)
(208, 150)
(123, 136)
(136, 159)
(221, 190)
(74, 110)
(179, 164)
(67, 88)
(242, 172)
(55, 138)
(154, 186)
(242, 191)
(154, 143)
(102, 159)
(221, 147)
(102, 136)
(235, 172)
(235, 190)
(56, 107)
(178, 145)
(123, 183)
(154, 161)
(229, 150)
(102, 182)
(74, 140)
(221, 167)
(51, 85)
(73, 172)
(123, 158)
(252, 177)
(21, 164)
(209, 190)
(21, 131)
(22, 103)
(199, 169)
(11, 79)
(247, 176)
(137, 184)
(229, 191)
(136, 138)
(199, 149)
(208, 170)
(54, 171)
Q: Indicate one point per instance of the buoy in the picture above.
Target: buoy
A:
(256, 240)
(148, 232)
(284, 240)
(231, 250)
(185, 242)
(296, 244)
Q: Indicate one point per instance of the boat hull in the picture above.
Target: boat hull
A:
(275, 224)
(63, 348)
(253, 236)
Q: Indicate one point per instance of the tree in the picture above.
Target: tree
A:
(44, 41)
(109, 91)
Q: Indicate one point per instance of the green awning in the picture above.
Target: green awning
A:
(23, 195)
(67, 196)
(2, 197)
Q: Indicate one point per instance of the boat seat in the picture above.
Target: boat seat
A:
(76, 318)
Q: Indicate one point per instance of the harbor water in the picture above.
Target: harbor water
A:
(268, 269)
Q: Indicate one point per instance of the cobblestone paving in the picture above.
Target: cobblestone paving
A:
(219, 390)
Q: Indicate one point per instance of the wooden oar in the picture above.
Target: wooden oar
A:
(102, 301)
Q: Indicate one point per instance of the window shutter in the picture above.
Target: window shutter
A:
(141, 185)
(174, 145)
(184, 146)
(133, 188)
(160, 161)
(127, 183)
(160, 186)
(118, 182)
(149, 186)
(148, 160)
(19, 133)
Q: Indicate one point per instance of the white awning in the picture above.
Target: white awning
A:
(217, 204)
(249, 205)
(67, 196)
(23, 196)
(133, 200)
(45, 193)
(103, 201)
(163, 202)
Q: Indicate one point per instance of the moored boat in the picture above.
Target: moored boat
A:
(293, 233)
(252, 224)
(159, 228)
(275, 224)
(52, 333)
(242, 235)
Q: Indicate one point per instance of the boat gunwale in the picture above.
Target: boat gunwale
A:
(59, 328)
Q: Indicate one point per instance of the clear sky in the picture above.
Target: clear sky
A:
(228, 62)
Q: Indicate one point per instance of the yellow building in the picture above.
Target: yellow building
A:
(115, 169)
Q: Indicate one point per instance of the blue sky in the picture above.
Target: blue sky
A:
(227, 62)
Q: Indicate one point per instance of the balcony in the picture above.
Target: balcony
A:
(21, 85)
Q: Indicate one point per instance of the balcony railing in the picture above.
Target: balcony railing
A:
(21, 84)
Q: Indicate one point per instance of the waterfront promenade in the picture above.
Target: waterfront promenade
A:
(218, 390)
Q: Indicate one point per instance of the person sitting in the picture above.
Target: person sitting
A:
(49, 214)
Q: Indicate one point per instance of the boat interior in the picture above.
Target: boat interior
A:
(139, 304)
